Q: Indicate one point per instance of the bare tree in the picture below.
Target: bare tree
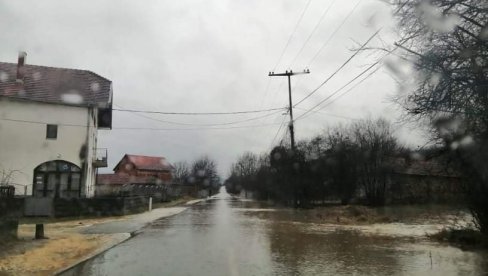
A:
(246, 164)
(204, 174)
(377, 146)
(447, 42)
(245, 169)
(181, 172)
(341, 162)
(6, 176)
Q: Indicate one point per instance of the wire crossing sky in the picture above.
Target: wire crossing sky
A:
(196, 72)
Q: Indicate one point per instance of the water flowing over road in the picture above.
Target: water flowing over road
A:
(227, 236)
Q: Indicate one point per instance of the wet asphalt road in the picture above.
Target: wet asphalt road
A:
(225, 236)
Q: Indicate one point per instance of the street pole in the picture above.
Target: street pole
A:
(290, 108)
(292, 130)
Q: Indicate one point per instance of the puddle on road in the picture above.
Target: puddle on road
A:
(229, 237)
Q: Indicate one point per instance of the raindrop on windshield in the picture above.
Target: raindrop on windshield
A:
(435, 19)
(3, 76)
(36, 76)
(95, 86)
(72, 97)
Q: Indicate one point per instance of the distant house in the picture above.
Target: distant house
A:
(414, 181)
(136, 174)
(49, 118)
(140, 165)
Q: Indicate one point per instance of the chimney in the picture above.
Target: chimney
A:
(20, 67)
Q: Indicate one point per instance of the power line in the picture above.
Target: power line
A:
(349, 82)
(340, 96)
(338, 90)
(39, 122)
(142, 128)
(352, 88)
(401, 7)
(277, 132)
(292, 34)
(333, 33)
(192, 129)
(214, 124)
(339, 69)
(278, 89)
(297, 83)
(330, 114)
(367, 69)
(265, 93)
(304, 115)
(284, 135)
(365, 78)
(197, 113)
(312, 33)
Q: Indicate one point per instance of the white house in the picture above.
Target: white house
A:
(49, 118)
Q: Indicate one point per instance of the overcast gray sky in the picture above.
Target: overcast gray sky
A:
(208, 56)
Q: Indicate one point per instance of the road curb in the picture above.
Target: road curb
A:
(116, 240)
(194, 202)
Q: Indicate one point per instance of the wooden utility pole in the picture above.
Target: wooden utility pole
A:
(289, 74)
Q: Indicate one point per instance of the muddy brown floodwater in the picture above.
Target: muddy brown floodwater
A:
(225, 236)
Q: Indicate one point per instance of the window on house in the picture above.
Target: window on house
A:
(52, 131)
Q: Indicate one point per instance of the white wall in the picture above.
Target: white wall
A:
(23, 143)
(92, 146)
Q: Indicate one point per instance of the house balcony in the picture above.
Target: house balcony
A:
(100, 159)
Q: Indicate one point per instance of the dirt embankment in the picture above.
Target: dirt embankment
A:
(63, 247)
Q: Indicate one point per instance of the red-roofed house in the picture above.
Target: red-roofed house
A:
(140, 165)
(133, 172)
(49, 121)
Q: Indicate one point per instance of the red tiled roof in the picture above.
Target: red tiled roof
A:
(55, 85)
(122, 179)
(150, 163)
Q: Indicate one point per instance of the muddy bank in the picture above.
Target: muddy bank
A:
(363, 215)
(407, 221)
(412, 214)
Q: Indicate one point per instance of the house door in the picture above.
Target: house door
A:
(58, 179)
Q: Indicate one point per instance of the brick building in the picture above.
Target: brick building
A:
(136, 174)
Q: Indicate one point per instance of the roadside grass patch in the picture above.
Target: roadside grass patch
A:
(350, 214)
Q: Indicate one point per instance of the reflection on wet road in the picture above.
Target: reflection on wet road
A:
(230, 237)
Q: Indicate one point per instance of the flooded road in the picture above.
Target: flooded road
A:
(225, 236)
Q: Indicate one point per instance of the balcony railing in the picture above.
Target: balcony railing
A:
(100, 160)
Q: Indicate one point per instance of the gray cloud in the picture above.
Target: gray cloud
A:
(195, 55)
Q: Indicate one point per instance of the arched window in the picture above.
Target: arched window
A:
(57, 179)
